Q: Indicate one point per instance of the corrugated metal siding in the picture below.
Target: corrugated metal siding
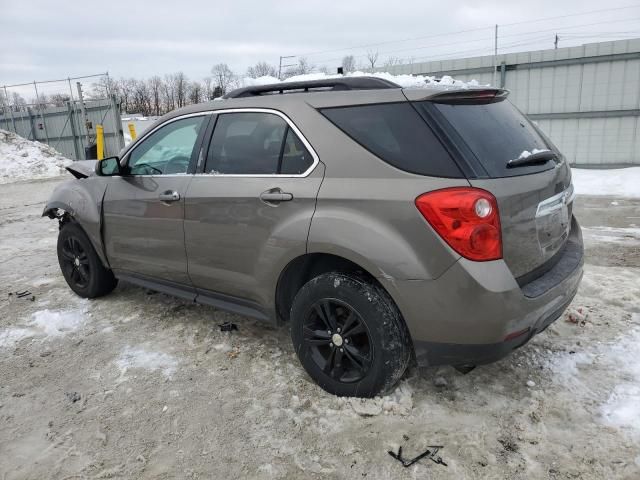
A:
(586, 98)
(63, 127)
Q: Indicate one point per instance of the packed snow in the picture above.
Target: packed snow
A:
(44, 324)
(22, 159)
(619, 182)
(138, 357)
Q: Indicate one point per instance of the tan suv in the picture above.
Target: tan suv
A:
(382, 223)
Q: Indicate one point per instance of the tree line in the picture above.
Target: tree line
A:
(158, 95)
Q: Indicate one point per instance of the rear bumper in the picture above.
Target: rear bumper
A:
(477, 313)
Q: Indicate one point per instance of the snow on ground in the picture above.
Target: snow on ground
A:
(139, 357)
(43, 324)
(22, 159)
(239, 405)
(620, 182)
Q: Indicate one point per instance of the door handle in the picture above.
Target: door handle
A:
(169, 196)
(275, 196)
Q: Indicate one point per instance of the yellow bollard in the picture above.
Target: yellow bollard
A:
(100, 141)
(132, 131)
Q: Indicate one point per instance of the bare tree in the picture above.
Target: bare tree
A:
(59, 99)
(262, 69)
(372, 57)
(207, 88)
(302, 68)
(392, 61)
(348, 63)
(195, 92)
(126, 87)
(181, 84)
(169, 93)
(154, 85)
(223, 77)
(103, 87)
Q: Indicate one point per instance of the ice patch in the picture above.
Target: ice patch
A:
(139, 357)
(45, 323)
(57, 323)
(622, 408)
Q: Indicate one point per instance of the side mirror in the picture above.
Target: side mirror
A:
(108, 167)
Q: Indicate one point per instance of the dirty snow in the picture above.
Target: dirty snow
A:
(22, 159)
(43, 324)
(139, 357)
(619, 182)
(165, 393)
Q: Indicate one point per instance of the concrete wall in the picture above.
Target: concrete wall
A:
(586, 98)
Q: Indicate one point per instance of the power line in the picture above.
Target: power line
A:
(310, 54)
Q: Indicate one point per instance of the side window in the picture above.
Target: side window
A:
(296, 159)
(167, 150)
(397, 134)
(251, 143)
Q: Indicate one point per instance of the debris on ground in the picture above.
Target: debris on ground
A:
(24, 294)
(73, 397)
(531, 383)
(228, 327)
(430, 453)
(577, 316)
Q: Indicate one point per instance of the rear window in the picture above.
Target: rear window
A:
(397, 134)
(496, 133)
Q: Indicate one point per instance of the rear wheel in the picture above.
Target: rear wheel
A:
(349, 335)
(80, 264)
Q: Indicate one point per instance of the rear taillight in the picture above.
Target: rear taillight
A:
(467, 219)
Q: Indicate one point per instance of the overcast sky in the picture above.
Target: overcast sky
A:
(42, 40)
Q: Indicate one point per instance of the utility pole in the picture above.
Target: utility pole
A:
(555, 43)
(280, 65)
(495, 56)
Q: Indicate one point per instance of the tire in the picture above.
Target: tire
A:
(80, 264)
(372, 350)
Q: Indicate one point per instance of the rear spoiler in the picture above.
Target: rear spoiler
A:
(470, 97)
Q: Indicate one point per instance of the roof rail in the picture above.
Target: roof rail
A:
(331, 84)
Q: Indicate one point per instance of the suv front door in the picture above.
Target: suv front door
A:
(249, 206)
(144, 208)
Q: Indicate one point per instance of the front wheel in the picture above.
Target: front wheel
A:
(349, 335)
(80, 264)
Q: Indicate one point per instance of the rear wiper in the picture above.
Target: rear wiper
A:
(533, 159)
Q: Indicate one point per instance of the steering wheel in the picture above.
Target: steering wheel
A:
(145, 166)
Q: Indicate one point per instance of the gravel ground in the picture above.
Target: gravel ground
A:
(140, 385)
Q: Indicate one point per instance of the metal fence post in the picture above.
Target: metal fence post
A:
(32, 129)
(503, 74)
(73, 131)
(6, 97)
(44, 124)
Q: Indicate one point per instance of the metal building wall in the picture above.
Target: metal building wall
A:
(63, 127)
(586, 98)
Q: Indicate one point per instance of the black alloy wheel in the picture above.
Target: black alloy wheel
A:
(338, 340)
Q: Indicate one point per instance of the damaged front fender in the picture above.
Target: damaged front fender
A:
(80, 201)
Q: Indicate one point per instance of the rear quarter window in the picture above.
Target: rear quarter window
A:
(495, 133)
(396, 134)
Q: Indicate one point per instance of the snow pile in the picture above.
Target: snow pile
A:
(22, 159)
(399, 402)
(619, 182)
(405, 81)
(622, 409)
(45, 323)
(149, 360)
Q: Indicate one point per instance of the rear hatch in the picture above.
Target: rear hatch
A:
(485, 132)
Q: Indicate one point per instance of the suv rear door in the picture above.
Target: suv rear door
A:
(534, 200)
(249, 206)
